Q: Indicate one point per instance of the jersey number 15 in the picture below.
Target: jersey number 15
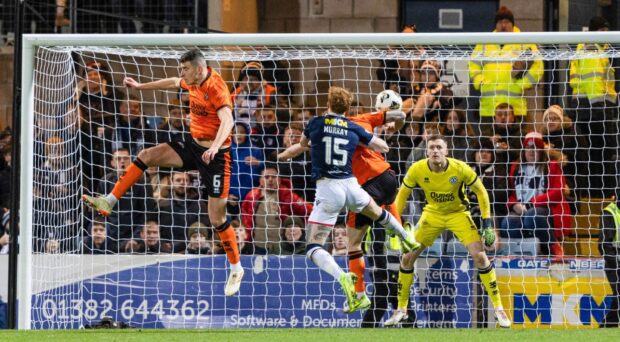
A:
(334, 154)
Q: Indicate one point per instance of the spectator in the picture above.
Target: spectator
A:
(493, 176)
(199, 236)
(536, 201)
(434, 95)
(299, 168)
(401, 75)
(55, 229)
(5, 174)
(302, 116)
(340, 242)
(512, 69)
(176, 126)
(149, 242)
(131, 130)
(293, 236)
(267, 206)
(245, 247)
(247, 162)
(505, 133)
(179, 211)
(566, 147)
(592, 78)
(93, 147)
(133, 209)
(266, 135)
(458, 132)
(401, 143)
(413, 209)
(5, 229)
(98, 242)
(610, 250)
(251, 93)
(95, 92)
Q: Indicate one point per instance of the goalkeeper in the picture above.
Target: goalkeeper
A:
(443, 181)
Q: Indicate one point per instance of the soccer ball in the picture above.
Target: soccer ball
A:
(388, 100)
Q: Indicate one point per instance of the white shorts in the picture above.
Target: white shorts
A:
(334, 194)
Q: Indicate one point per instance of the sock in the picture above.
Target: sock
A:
(405, 279)
(326, 262)
(111, 199)
(229, 242)
(488, 278)
(358, 266)
(132, 175)
(388, 221)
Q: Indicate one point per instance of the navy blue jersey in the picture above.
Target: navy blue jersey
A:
(333, 140)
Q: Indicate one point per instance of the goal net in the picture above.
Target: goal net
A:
(537, 122)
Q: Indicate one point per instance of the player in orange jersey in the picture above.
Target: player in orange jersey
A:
(208, 151)
(375, 176)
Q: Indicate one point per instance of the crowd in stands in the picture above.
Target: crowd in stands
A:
(532, 171)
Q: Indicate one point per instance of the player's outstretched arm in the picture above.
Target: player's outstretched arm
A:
(163, 84)
(379, 145)
(292, 152)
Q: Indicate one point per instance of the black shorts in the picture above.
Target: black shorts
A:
(215, 176)
(383, 190)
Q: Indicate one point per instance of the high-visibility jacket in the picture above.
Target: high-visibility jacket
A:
(612, 208)
(592, 75)
(490, 72)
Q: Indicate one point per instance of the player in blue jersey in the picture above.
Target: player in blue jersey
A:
(334, 139)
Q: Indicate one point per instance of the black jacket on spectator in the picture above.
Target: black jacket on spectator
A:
(132, 209)
(299, 170)
(493, 178)
(160, 248)
(175, 216)
(573, 146)
(134, 135)
(269, 139)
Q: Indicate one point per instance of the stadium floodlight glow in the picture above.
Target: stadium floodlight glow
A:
(61, 160)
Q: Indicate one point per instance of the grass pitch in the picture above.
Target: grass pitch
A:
(317, 335)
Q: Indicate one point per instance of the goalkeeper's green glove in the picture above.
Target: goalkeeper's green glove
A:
(488, 233)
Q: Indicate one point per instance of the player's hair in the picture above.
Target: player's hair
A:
(193, 56)
(339, 100)
(437, 137)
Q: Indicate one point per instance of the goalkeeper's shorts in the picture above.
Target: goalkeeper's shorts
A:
(431, 225)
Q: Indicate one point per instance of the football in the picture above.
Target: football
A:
(388, 100)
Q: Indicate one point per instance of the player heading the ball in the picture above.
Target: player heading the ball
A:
(208, 151)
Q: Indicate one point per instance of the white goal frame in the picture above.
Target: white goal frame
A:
(32, 41)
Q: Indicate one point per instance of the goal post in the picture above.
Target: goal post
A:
(66, 289)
